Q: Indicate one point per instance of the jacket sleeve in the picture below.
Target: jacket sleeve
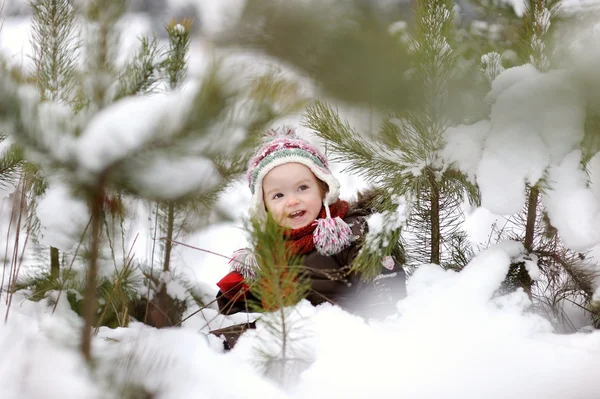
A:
(359, 228)
(390, 283)
(233, 305)
(234, 294)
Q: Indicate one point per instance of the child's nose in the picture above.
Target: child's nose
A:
(292, 200)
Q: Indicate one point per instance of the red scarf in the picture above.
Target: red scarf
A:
(300, 241)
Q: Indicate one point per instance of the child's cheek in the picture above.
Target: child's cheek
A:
(274, 212)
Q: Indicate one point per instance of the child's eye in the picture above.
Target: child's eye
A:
(303, 187)
(277, 196)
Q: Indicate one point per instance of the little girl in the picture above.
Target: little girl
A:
(290, 179)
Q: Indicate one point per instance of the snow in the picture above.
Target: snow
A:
(381, 225)
(488, 346)
(62, 216)
(46, 339)
(397, 27)
(14, 42)
(376, 222)
(171, 179)
(453, 337)
(129, 124)
(450, 339)
(464, 145)
(536, 119)
(179, 363)
(136, 125)
(534, 131)
(574, 209)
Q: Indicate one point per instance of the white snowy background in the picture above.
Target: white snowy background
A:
(449, 339)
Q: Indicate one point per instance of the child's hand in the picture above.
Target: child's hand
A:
(233, 285)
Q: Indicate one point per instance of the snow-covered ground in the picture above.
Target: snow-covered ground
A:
(451, 338)
(448, 340)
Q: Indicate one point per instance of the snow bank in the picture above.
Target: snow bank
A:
(178, 363)
(450, 339)
(40, 358)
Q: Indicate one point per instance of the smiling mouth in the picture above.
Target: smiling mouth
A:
(296, 215)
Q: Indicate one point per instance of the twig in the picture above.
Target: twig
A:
(13, 278)
(206, 306)
(196, 248)
(151, 265)
(72, 262)
(5, 257)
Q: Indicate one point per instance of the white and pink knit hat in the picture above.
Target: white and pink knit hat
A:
(331, 235)
(284, 146)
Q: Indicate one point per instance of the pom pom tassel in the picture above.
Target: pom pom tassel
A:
(331, 235)
(244, 262)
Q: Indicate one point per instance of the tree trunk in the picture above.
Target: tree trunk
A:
(169, 239)
(54, 263)
(524, 278)
(532, 202)
(435, 220)
(90, 299)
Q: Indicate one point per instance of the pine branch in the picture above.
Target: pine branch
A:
(175, 67)
(433, 48)
(367, 159)
(175, 63)
(101, 46)
(456, 184)
(538, 23)
(140, 74)
(28, 121)
(383, 237)
(216, 110)
(35, 185)
(280, 282)
(418, 234)
(11, 161)
(591, 142)
(55, 45)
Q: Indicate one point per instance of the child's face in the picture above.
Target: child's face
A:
(292, 195)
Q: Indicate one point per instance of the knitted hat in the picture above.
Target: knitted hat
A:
(283, 146)
(331, 235)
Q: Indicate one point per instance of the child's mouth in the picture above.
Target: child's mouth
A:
(296, 215)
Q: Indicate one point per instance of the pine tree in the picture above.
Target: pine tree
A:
(55, 45)
(89, 148)
(280, 284)
(404, 160)
(536, 48)
(565, 275)
(174, 67)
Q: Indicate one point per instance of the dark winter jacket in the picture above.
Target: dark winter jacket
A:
(331, 280)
